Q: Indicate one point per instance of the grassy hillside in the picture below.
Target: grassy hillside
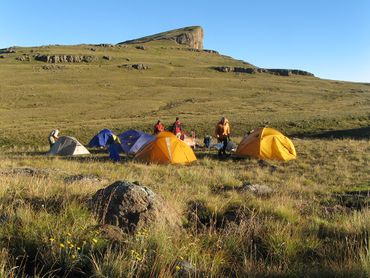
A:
(82, 98)
(315, 222)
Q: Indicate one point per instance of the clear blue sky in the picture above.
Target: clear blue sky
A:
(330, 38)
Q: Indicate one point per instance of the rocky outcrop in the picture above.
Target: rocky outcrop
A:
(54, 59)
(131, 207)
(23, 58)
(210, 51)
(135, 66)
(8, 50)
(280, 72)
(141, 47)
(190, 36)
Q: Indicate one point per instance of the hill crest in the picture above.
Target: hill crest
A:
(191, 36)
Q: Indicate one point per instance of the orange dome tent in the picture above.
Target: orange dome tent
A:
(267, 143)
(166, 149)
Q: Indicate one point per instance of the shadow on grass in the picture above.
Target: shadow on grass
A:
(354, 133)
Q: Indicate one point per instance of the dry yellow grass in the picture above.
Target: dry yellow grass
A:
(301, 228)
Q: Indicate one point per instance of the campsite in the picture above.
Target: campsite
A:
(111, 197)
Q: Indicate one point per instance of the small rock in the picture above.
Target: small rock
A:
(257, 189)
(141, 47)
(186, 269)
(210, 51)
(83, 178)
(107, 58)
(135, 66)
(27, 171)
(23, 58)
(140, 66)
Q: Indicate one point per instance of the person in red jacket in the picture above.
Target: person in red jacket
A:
(159, 127)
(177, 127)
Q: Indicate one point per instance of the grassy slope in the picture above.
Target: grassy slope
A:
(303, 228)
(82, 98)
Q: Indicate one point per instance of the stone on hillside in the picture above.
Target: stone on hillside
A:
(257, 189)
(131, 207)
(83, 178)
(107, 58)
(135, 66)
(8, 50)
(23, 58)
(140, 66)
(186, 269)
(210, 51)
(27, 171)
(2, 56)
(141, 47)
(54, 59)
(280, 72)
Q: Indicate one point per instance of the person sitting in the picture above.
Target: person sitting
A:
(222, 132)
(159, 127)
(177, 128)
(53, 137)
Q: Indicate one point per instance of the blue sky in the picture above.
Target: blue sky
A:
(330, 38)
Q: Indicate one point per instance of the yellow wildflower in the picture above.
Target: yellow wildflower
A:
(51, 239)
(61, 245)
(95, 240)
(178, 268)
(78, 248)
(69, 234)
(73, 256)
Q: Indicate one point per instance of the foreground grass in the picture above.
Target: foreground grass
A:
(306, 227)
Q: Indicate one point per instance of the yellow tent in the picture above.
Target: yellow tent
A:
(267, 143)
(166, 149)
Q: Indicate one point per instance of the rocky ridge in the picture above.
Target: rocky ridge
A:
(190, 36)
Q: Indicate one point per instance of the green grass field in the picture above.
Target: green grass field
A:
(315, 223)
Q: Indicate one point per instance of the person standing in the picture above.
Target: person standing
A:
(177, 128)
(222, 134)
(53, 137)
(159, 127)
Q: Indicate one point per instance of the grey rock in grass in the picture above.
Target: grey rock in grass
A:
(135, 66)
(26, 171)
(186, 269)
(131, 207)
(141, 47)
(54, 59)
(83, 178)
(257, 189)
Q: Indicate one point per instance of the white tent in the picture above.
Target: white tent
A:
(66, 145)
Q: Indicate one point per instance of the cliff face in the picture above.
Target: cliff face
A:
(190, 36)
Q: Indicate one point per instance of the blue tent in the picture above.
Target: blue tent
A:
(133, 140)
(104, 138)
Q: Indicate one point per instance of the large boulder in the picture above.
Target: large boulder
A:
(131, 207)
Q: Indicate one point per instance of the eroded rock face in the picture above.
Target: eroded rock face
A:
(131, 207)
(280, 72)
(54, 59)
(190, 36)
